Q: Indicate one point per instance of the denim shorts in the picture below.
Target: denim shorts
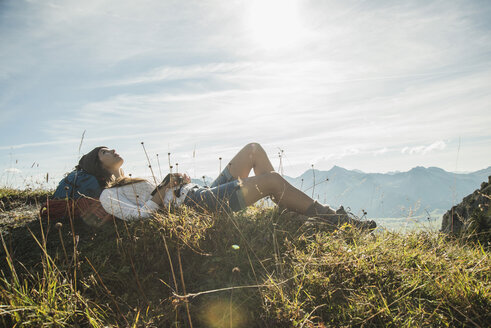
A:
(224, 195)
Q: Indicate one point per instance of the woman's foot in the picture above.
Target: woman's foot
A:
(326, 214)
(318, 209)
(338, 217)
(364, 225)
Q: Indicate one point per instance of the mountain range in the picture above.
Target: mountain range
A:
(419, 191)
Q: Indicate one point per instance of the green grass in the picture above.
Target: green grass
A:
(417, 279)
(12, 198)
(256, 268)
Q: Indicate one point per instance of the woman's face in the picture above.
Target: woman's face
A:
(110, 159)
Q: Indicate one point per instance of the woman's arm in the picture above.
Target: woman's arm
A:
(126, 209)
(174, 180)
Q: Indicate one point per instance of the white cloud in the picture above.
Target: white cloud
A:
(437, 145)
(423, 150)
(12, 170)
(369, 79)
(169, 73)
(380, 151)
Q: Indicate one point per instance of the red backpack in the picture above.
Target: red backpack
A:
(89, 210)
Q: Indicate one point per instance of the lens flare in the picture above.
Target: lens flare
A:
(223, 313)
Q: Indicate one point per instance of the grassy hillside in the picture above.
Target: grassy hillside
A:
(256, 268)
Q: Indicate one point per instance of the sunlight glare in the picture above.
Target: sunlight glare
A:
(275, 24)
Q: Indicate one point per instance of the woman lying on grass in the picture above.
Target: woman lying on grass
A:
(133, 198)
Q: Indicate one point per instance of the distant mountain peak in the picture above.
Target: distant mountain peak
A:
(436, 169)
(418, 169)
(421, 169)
(337, 168)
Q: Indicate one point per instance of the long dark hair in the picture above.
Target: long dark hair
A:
(91, 164)
(123, 181)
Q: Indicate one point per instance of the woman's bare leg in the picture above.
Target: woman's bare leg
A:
(269, 183)
(283, 193)
(252, 156)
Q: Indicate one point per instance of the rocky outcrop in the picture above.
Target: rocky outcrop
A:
(472, 216)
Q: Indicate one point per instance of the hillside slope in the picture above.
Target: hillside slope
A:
(256, 268)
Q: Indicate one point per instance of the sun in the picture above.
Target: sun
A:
(275, 24)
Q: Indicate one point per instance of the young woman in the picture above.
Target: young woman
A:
(88, 179)
(234, 190)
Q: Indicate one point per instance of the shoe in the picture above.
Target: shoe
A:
(327, 215)
(363, 225)
(341, 210)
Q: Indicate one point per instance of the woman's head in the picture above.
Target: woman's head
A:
(110, 160)
(101, 163)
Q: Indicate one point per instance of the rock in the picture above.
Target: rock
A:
(472, 215)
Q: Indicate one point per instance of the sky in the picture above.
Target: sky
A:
(376, 86)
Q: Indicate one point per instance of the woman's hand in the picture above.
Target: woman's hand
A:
(177, 179)
(186, 178)
(159, 196)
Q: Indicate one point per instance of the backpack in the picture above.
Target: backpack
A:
(78, 184)
(89, 210)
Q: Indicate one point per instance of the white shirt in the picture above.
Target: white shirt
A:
(134, 201)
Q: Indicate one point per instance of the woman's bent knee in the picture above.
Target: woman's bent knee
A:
(254, 147)
(276, 176)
